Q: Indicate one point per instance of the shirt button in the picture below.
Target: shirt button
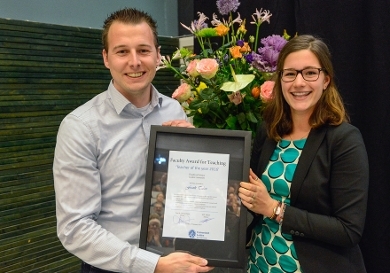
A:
(302, 235)
(297, 233)
(292, 232)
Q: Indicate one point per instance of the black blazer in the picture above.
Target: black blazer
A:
(328, 197)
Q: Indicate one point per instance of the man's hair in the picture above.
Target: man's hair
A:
(128, 16)
(328, 110)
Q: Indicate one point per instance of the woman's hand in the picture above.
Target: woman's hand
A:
(254, 196)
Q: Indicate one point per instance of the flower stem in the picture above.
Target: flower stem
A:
(257, 36)
(233, 74)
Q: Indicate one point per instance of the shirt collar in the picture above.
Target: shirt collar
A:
(120, 102)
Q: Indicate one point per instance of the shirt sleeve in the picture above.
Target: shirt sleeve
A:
(78, 202)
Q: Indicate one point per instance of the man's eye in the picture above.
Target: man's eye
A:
(144, 51)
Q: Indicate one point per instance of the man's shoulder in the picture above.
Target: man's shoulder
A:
(90, 105)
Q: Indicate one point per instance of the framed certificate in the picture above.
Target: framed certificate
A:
(191, 193)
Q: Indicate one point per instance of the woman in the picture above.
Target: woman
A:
(308, 187)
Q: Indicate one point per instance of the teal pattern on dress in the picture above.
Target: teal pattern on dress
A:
(271, 250)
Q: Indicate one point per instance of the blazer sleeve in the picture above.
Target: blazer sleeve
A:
(330, 204)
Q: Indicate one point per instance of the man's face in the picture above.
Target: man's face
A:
(132, 58)
(158, 208)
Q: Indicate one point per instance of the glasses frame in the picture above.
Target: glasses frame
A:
(300, 72)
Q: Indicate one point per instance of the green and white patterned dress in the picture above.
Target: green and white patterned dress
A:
(271, 250)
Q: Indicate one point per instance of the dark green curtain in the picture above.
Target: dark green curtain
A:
(358, 35)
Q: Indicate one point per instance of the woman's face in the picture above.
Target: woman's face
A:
(302, 95)
(160, 197)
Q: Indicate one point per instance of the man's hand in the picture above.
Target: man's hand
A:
(181, 262)
(178, 123)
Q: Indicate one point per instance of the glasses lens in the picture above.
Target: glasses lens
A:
(288, 75)
(310, 74)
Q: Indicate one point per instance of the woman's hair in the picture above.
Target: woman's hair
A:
(329, 109)
(128, 16)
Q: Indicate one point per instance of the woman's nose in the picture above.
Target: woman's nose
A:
(299, 80)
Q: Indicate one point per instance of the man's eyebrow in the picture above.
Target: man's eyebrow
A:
(125, 46)
(119, 46)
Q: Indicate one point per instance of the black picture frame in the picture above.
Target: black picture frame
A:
(230, 252)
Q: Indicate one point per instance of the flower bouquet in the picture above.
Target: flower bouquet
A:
(226, 84)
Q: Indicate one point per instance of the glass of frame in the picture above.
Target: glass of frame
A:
(191, 199)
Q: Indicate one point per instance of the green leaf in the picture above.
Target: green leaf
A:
(204, 108)
(241, 118)
(231, 122)
(206, 93)
(241, 82)
(251, 117)
(213, 105)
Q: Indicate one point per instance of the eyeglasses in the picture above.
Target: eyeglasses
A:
(310, 74)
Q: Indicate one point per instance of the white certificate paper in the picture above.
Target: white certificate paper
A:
(195, 204)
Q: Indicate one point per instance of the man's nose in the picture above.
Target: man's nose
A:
(133, 59)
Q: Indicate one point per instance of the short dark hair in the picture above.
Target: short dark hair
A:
(128, 16)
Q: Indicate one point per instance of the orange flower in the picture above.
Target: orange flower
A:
(245, 48)
(222, 30)
(235, 51)
(256, 92)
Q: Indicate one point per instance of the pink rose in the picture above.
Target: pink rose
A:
(191, 68)
(207, 68)
(266, 90)
(182, 93)
(235, 97)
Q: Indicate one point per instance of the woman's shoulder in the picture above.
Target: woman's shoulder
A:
(343, 128)
(345, 132)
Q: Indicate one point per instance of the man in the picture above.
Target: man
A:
(100, 157)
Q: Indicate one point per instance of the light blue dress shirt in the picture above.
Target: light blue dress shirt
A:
(99, 177)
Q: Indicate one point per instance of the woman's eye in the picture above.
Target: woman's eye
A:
(289, 74)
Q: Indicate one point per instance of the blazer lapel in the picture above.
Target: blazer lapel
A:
(309, 152)
(268, 149)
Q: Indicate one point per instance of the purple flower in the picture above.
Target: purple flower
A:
(268, 55)
(249, 57)
(227, 6)
(261, 64)
(275, 41)
(240, 43)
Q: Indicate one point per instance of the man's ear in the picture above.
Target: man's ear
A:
(105, 58)
(158, 56)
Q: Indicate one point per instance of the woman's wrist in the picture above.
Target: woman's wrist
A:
(275, 210)
(279, 218)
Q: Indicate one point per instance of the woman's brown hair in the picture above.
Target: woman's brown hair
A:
(329, 109)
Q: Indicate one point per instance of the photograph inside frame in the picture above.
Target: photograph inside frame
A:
(191, 202)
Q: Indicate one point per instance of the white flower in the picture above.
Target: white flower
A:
(262, 16)
(197, 24)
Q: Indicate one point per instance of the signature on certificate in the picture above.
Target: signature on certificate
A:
(182, 219)
(206, 220)
(186, 219)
